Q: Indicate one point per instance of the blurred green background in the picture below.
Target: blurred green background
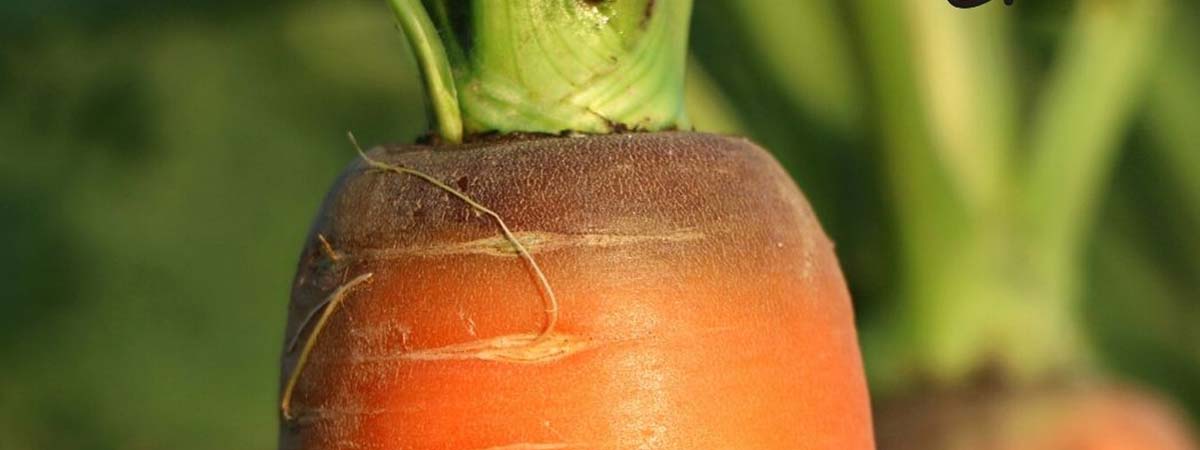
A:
(160, 162)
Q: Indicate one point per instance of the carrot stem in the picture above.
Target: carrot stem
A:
(551, 66)
(435, 67)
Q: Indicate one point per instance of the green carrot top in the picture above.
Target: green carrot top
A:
(549, 66)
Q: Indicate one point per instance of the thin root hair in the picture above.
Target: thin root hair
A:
(332, 303)
(552, 309)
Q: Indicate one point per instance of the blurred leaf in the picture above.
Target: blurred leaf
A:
(966, 82)
(1141, 326)
(1080, 117)
(177, 167)
(707, 106)
(805, 46)
(1174, 107)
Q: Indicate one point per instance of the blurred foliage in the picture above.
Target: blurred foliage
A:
(162, 160)
(1049, 101)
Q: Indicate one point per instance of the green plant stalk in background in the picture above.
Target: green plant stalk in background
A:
(1174, 106)
(805, 48)
(993, 207)
(1077, 128)
(1173, 109)
(708, 108)
(550, 66)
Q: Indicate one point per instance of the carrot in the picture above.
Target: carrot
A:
(539, 276)
(1052, 416)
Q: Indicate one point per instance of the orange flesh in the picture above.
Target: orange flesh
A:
(716, 321)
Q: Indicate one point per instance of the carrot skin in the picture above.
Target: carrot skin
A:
(702, 306)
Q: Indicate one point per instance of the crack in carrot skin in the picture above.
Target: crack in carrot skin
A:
(534, 242)
(534, 348)
(550, 298)
(525, 349)
(520, 349)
